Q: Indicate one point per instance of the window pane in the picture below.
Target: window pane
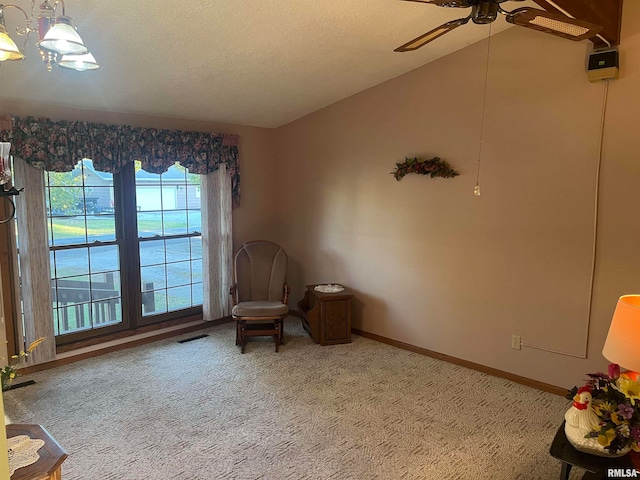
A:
(64, 179)
(65, 201)
(148, 301)
(193, 197)
(104, 259)
(178, 274)
(196, 271)
(74, 318)
(56, 322)
(159, 298)
(49, 231)
(151, 252)
(177, 249)
(72, 290)
(105, 285)
(148, 193)
(71, 297)
(196, 247)
(179, 298)
(175, 222)
(169, 197)
(67, 263)
(195, 221)
(68, 230)
(153, 277)
(101, 224)
(196, 293)
(106, 312)
(149, 224)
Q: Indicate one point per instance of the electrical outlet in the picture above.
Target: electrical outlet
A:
(516, 342)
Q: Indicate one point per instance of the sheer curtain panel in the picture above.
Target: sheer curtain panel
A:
(217, 246)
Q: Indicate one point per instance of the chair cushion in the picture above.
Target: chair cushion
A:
(259, 309)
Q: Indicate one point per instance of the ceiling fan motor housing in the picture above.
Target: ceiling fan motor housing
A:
(485, 12)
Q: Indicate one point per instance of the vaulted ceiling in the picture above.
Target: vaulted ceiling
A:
(260, 63)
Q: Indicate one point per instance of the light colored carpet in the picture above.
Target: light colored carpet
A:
(365, 410)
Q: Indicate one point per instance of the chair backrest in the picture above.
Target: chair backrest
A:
(260, 271)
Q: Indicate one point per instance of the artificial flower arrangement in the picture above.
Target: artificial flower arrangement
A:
(433, 166)
(9, 372)
(616, 402)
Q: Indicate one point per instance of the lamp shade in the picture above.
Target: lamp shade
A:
(63, 38)
(79, 62)
(623, 340)
(8, 48)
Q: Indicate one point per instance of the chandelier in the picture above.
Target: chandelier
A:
(58, 40)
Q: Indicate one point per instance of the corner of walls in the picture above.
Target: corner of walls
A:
(433, 265)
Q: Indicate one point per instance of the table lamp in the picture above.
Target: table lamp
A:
(622, 345)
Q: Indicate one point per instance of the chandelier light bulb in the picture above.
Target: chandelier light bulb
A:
(476, 191)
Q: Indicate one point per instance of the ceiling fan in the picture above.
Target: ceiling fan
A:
(486, 11)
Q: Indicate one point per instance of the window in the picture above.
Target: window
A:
(169, 239)
(125, 249)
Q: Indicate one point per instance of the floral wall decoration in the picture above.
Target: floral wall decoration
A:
(433, 166)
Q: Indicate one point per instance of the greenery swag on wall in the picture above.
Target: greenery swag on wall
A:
(434, 167)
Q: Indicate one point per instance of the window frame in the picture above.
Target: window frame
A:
(126, 230)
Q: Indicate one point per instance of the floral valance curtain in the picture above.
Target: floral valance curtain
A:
(59, 145)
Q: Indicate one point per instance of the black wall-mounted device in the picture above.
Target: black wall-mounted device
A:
(603, 65)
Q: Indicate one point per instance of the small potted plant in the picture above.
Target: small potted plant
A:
(9, 372)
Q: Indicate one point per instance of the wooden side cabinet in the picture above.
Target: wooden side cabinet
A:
(326, 316)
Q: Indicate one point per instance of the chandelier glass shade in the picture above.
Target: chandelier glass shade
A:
(79, 62)
(8, 48)
(58, 42)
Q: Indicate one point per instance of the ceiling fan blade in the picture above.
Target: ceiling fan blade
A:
(422, 40)
(447, 3)
(553, 23)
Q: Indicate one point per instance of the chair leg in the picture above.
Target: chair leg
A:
(282, 331)
(242, 339)
(237, 332)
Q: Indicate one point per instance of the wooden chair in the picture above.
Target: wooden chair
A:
(259, 292)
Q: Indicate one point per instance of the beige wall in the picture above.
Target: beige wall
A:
(437, 267)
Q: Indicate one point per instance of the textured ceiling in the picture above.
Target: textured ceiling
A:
(248, 62)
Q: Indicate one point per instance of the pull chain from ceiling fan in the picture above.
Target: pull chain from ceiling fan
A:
(476, 190)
